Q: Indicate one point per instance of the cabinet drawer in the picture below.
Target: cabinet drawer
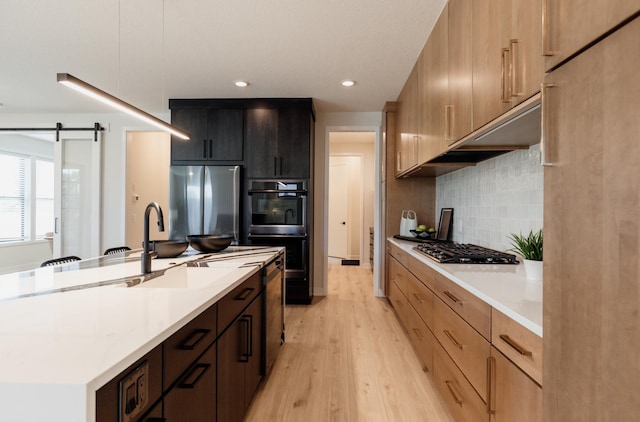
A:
(184, 347)
(517, 343)
(399, 302)
(421, 298)
(473, 310)
(461, 398)
(230, 306)
(422, 339)
(398, 253)
(468, 349)
(422, 271)
(398, 274)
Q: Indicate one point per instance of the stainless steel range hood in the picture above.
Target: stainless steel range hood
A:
(519, 128)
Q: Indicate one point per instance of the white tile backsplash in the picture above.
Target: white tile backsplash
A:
(495, 198)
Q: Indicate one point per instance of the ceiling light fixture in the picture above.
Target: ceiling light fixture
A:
(348, 83)
(241, 84)
(97, 94)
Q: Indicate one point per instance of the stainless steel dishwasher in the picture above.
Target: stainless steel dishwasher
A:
(273, 278)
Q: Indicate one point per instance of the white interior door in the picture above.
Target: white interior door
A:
(77, 195)
(338, 210)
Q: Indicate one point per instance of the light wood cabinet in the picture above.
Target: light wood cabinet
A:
(458, 114)
(408, 111)
(571, 25)
(507, 56)
(520, 345)
(591, 296)
(474, 311)
(495, 376)
(513, 395)
(434, 91)
(461, 398)
(468, 349)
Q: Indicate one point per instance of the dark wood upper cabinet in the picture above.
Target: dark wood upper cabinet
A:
(278, 143)
(217, 135)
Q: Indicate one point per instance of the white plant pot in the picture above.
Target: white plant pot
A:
(533, 269)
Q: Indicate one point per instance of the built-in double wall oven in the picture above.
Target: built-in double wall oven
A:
(278, 215)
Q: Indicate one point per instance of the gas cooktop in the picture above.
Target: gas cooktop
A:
(464, 253)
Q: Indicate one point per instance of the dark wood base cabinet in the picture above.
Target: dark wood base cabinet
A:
(193, 398)
(240, 363)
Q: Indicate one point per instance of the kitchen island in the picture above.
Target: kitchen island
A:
(66, 331)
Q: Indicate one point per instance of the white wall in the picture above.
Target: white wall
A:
(497, 197)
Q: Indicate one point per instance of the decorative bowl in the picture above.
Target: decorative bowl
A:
(168, 248)
(209, 242)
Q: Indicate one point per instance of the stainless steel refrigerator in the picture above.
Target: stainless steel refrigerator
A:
(204, 200)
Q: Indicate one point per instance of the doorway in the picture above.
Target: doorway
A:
(345, 208)
(351, 196)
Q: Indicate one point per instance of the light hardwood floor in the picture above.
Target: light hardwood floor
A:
(346, 358)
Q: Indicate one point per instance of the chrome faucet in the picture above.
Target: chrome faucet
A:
(146, 255)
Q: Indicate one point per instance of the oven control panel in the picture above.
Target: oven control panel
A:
(134, 393)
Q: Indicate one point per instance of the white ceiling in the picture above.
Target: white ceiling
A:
(147, 51)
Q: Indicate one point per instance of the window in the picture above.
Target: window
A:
(26, 197)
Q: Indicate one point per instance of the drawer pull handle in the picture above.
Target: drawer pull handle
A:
(491, 385)
(245, 293)
(452, 338)
(418, 298)
(195, 338)
(453, 298)
(518, 348)
(191, 379)
(454, 392)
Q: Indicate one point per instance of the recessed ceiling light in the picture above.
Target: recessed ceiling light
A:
(348, 82)
(241, 84)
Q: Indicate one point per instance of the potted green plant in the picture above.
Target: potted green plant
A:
(530, 248)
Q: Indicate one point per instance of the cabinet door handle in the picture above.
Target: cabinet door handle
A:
(398, 161)
(249, 335)
(191, 379)
(513, 58)
(453, 339)
(491, 385)
(204, 148)
(454, 393)
(546, 50)
(244, 340)
(448, 122)
(504, 76)
(245, 294)
(195, 338)
(515, 345)
(453, 298)
(543, 133)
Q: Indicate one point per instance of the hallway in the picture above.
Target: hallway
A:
(346, 358)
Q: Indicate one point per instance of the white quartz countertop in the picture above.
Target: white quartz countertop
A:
(66, 331)
(504, 287)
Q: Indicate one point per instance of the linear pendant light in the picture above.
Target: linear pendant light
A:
(97, 94)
